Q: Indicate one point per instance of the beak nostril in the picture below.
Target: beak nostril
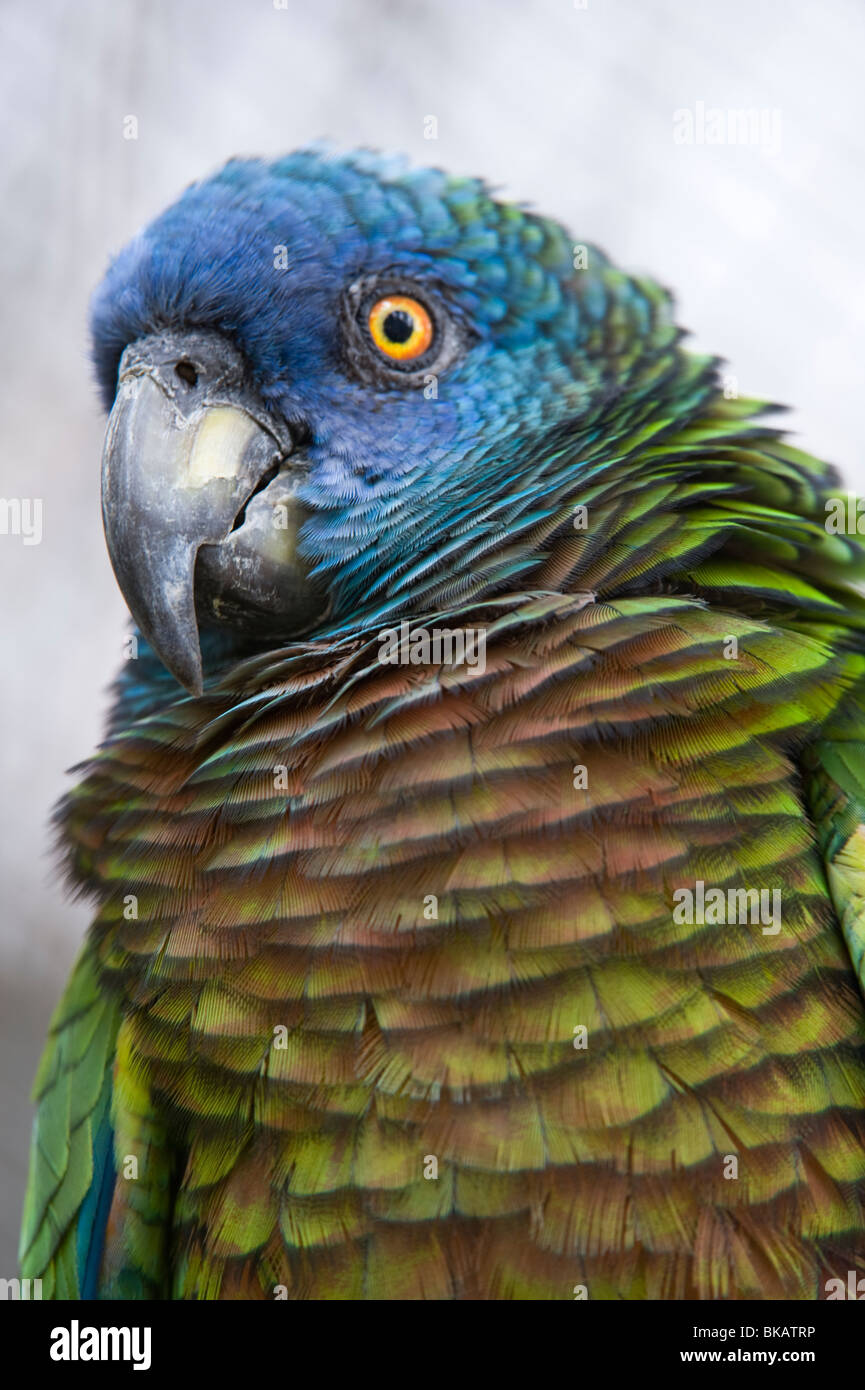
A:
(186, 371)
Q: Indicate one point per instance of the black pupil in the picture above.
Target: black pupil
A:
(398, 326)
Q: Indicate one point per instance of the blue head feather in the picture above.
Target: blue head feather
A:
(412, 490)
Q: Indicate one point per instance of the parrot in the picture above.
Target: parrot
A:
(477, 844)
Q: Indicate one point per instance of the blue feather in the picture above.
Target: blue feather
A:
(93, 1216)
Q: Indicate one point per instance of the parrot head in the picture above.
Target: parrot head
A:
(342, 390)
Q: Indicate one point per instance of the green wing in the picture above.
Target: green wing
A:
(71, 1163)
(834, 771)
(97, 1208)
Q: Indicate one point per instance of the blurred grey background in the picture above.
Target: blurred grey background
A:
(567, 105)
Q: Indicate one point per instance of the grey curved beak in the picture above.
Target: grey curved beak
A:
(188, 443)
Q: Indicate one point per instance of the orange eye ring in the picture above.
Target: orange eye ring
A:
(400, 327)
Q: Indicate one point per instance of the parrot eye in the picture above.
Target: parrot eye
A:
(400, 327)
(392, 336)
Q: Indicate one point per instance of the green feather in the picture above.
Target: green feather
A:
(70, 1090)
